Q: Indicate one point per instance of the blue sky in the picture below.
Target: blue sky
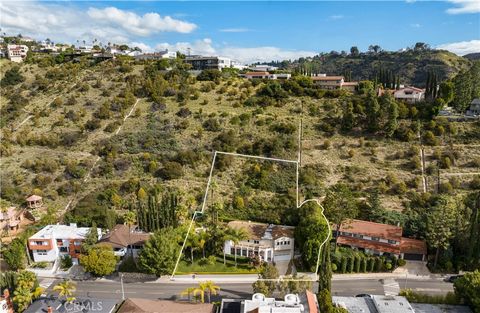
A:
(251, 31)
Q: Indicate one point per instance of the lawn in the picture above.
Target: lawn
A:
(186, 267)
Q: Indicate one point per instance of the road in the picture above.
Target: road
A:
(109, 289)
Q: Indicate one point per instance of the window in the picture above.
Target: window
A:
(40, 243)
(63, 249)
(375, 239)
(357, 236)
(77, 251)
(393, 242)
(42, 252)
(256, 241)
(278, 243)
(59, 241)
(232, 251)
(77, 243)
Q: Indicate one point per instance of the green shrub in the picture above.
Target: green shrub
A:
(211, 124)
(343, 265)
(357, 264)
(42, 264)
(378, 264)
(171, 170)
(66, 262)
(12, 77)
(351, 264)
(371, 265)
(401, 262)
(363, 266)
(334, 267)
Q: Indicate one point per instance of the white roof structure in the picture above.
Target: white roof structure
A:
(374, 304)
(62, 231)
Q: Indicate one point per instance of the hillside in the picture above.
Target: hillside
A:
(412, 66)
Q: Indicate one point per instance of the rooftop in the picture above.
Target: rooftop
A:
(33, 198)
(119, 236)
(78, 306)
(135, 305)
(408, 245)
(259, 231)
(375, 304)
(62, 231)
(372, 229)
(326, 78)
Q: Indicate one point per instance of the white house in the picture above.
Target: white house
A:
(266, 75)
(17, 53)
(270, 242)
(157, 55)
(84, 49)
(200, 63)
(262, 68)
(474, 109)
(54, 241)
(409, 94)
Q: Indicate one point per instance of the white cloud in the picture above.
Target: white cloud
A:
(139, 25)
(67, 23)
(336, 17)
(462, 47)
(234, 30)
(141, 45)
(244, 55)
(464, 6)
(415, 25)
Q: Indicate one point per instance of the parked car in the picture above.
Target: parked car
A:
(453, 278)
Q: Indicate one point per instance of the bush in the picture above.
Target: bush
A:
(351, 264)
(327, 144)
(401, 262)
(363, 265)
(12, 77)
(209, 75)
(334, 267)
(211, 124)
(66, 262)
(171, 170)
(475, 183)
(184, 112)
(343, 265)
(378, 265)
(40, 264)
(357, 264)
(371, 265)
(430, 139)
(93, 124)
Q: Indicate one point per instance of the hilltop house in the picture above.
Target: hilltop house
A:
(201, 63)
(54, 241)
(10, 218)
(409, 94)
(17, 53)
(270, 242)
(122, 239)
(474, 109)
(266, 75)
(262, 68)
(380, 239)
(157, 55)
(333, 82)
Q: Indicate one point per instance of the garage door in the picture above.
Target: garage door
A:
(285, 256)
(413, 257)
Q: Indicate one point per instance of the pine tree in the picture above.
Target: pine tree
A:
(372, 111)
(392, 123)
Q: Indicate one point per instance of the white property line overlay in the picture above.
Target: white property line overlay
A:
(297, 162)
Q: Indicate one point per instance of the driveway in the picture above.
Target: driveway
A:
(414, 268)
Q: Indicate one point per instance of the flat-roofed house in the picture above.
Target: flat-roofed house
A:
(333, 82)
(380, 239)
(201, 63)
(54, 241)
(270, 242)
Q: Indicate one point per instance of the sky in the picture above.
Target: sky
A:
(250, 31)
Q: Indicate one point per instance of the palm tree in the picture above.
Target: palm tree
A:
(23, 298)
(192, 243)
(212, 289)
(236, 235)
(188, 292)
(66, 289)
(201, 289)
(130, 218)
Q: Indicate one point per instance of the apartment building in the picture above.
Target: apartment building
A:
(380, 239)
(201, 63)
(270, 242)
(17, 53)
(54, 241)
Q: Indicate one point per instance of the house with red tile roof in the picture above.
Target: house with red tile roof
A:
(333, 82)
(409, 94)
(380, 239)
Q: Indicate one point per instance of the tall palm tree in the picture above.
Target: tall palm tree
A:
(212, 289)
(129, 219)
(66, 289)
(236, 235)
(188, 292)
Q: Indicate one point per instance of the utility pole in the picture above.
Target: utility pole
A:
(121, 282)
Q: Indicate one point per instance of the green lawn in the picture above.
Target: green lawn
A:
(186, 267)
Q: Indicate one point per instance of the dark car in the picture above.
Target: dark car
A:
(363, 295)
(453, 278)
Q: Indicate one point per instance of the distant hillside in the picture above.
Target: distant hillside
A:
(472, 56)
(412, 66)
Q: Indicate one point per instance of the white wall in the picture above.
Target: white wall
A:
(51, 256)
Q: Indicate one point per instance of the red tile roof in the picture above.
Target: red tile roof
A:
(257, 73)
(414, 246)
(369, 244)
(312, 302)
(372, 229)
(120, 237)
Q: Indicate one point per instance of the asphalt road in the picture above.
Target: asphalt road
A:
(113, 290)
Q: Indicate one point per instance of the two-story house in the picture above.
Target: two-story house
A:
(270, 242)
(54, 241)
(333, 82)
(201, 63)
(409, 94)
(10, 219)
(124, 239)
(380, 239)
